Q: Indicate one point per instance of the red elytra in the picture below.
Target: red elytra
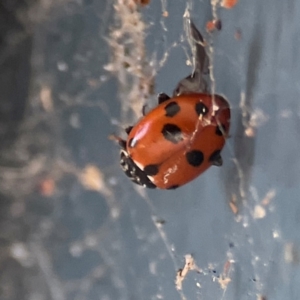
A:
(179, 139)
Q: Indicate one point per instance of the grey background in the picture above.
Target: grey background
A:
(106, 243)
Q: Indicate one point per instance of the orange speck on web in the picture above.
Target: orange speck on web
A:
(165, 14)
(238, 34)
(233, 204)
(142, 2)
(229, 3)
(46, 187)
(213, 25)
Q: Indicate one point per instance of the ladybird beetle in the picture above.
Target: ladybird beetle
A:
(182, 136)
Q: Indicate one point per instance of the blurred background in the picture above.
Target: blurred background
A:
(72, 226)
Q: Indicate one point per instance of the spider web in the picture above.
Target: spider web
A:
(73, 227)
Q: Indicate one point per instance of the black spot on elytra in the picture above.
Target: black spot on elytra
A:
(172, 133)
(215, 158)
(172, 109)
(173, 187)
(201, 109)
(151, 170)
(220, 130)
(194, 158)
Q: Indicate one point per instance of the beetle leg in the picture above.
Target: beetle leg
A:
(162, 97)
(122, 143)
(144, 109)
(128, 129)
(216, 159)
